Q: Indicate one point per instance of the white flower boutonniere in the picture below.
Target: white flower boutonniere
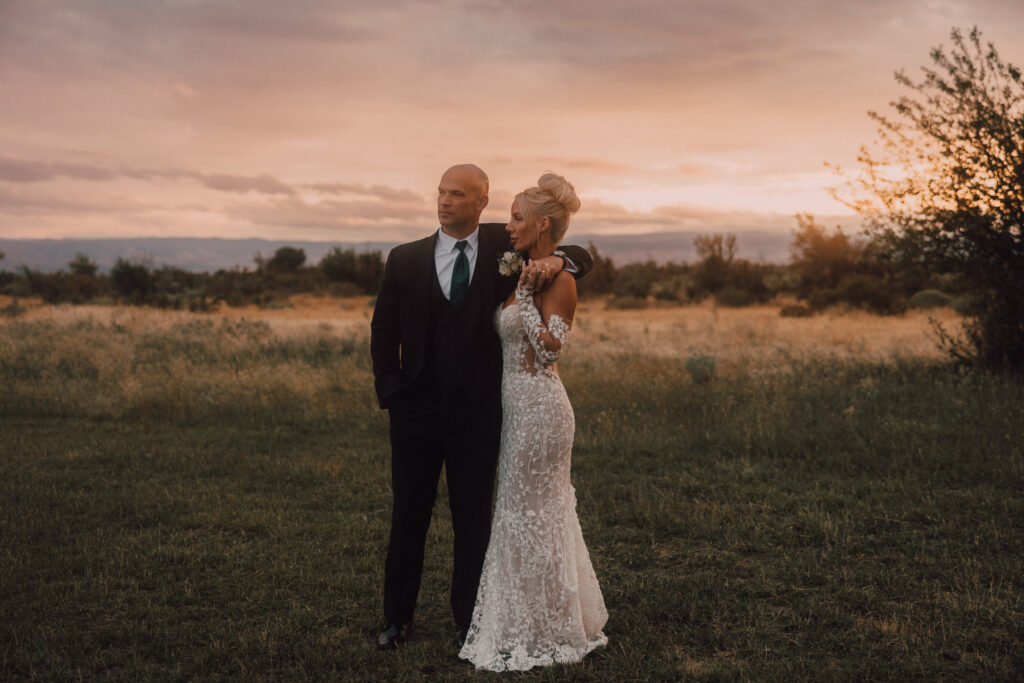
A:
(510, 262)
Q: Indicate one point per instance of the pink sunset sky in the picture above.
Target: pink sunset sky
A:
(333, 120)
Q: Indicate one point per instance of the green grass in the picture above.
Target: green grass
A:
(164, 517)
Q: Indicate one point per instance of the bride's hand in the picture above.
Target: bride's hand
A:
(538, 274)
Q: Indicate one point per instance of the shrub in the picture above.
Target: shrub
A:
(13, 309)
(362, 270)
(673, 288)
(626, 302)
(701, 368)
(344, 289)
(781, 279)
(286, 260)
(339, 265)
(797, 311)
(600, 278)
(962, 304)
(634, 280)
(929, 298)
(716, 254)
(734, 297)
(861, 291)
(132, 281)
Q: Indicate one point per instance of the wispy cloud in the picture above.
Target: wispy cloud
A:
(24, 171)
(311, 110)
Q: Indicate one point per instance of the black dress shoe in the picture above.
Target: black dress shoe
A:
(393, 635)
(460, 637)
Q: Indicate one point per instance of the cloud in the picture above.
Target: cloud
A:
(27, 171)
(24, 171)
(382, 192)
(20, 201)
(299, 211)
(263, 184)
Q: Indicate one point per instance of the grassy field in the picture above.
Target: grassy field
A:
(206, 496)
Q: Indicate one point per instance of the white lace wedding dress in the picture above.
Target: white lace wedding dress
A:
(538, 602)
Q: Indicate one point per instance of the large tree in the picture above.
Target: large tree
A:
(943, 188)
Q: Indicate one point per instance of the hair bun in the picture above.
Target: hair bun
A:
(561, 189)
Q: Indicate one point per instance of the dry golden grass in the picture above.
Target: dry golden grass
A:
(756, 337)
(135, 361)
(306, 312)
(742, 339)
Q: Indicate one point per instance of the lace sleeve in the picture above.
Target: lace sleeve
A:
(547, 340)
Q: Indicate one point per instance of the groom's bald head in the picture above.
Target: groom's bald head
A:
(470, 174)
(461, 198)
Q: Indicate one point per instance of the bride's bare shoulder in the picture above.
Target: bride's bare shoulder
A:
(560, 295)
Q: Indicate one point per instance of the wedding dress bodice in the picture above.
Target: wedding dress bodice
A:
(539, 602)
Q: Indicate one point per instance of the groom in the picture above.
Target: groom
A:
(437, 369)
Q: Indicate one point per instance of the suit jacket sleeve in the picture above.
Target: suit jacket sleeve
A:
(386, 335)
(580, 258)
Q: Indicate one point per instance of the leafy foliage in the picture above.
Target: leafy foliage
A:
(701, 368)
(132, 281)
(832, 268)
(930, 298)
(362, 270)
(944, 190)
(716, 254)
(601, 277)
(286, 260)
(340, 273)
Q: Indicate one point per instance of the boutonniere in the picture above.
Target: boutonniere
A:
(510, 262)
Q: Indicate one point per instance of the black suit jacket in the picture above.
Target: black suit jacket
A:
(400, 328)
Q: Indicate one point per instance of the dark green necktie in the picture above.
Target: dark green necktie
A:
(460, 275)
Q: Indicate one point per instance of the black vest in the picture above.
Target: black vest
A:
(456, 361)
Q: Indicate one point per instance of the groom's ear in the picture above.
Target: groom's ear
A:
(484, 199)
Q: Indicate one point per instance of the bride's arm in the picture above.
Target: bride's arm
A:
(548, 328)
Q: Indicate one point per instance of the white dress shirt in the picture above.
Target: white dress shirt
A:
(445, 253)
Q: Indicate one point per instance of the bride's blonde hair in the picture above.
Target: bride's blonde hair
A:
(554, 198)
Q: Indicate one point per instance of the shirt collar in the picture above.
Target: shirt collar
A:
(446, 242)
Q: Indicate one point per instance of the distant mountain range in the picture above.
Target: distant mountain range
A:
(214, 254)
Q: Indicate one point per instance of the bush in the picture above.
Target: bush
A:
(962, 304)
(861, 291)
(626, 302)
(635, 280)
(797, 311)
(286, 260)
(600, 278)
(132, 281)
(344, 289)
(675, 288)
(362, 270)
(929, 298)
(701, 368)
(734, 297)
(13, 309)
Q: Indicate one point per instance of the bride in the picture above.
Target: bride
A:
(538, 602)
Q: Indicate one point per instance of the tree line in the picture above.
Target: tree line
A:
(827, 268)
(341, 272)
